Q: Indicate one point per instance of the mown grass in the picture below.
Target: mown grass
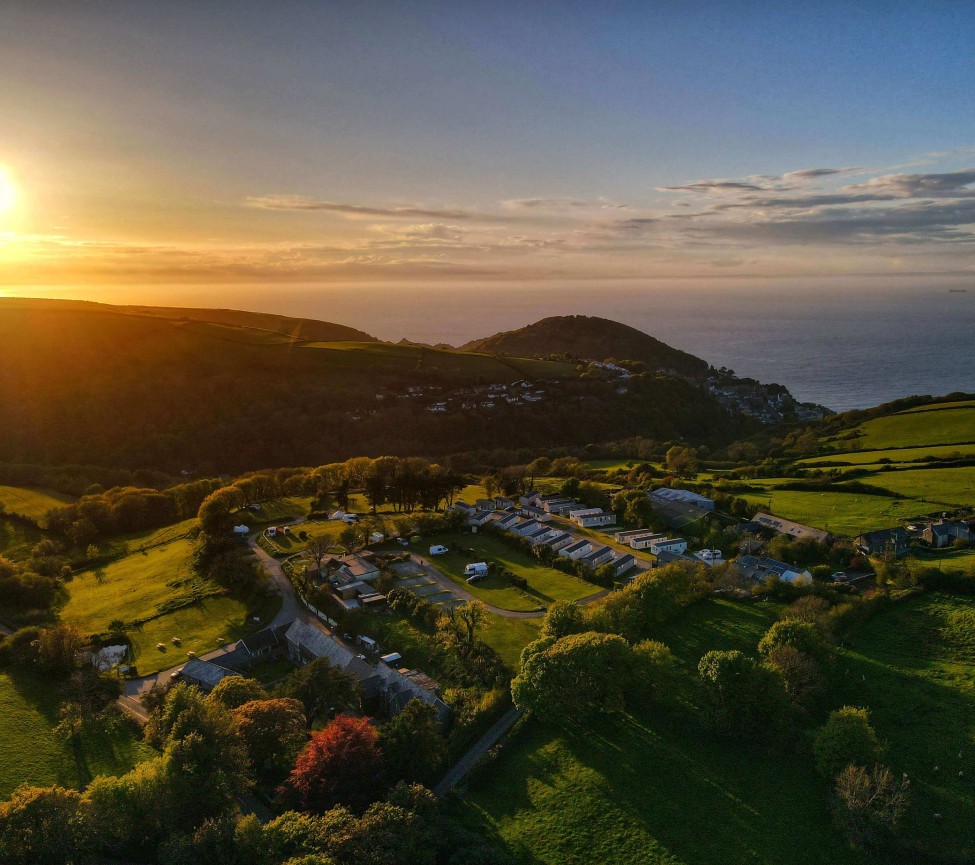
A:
(31, 754)
(17, 539)
(33, 502)
(545, 584)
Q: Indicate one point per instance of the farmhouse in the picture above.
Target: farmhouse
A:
(589, 517)
(894, 541)
(760, 568)
(348, 569)
(793, 530)
(204, 674)
(944, 533)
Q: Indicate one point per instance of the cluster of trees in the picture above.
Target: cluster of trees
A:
(23, 589)
(346, 790)
(128, 509)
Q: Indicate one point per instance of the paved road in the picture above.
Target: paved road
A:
(290, 610)
(479, 749)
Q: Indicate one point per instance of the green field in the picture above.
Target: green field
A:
(134, 587)
(939, 406)
(841, 513)
(17, 539)
(29, 752)
(914, 667)
(33, 502)
(951, 486)
(632, 790)
(545, 584)
(936, 425)
(895, 455)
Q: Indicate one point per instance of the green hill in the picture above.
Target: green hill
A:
(131, 387)
(591, 338)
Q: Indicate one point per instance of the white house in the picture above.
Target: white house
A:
(589, 517)
(576, 550)
(669, 545)
(646, 540)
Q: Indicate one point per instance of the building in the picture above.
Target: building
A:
(679, 508)
(599, 556)
(669, 495)
(793, 530)
(623, 563)
(347, 569)
(559, 540)
(204, 674)
(944, 533)
(592, 517)
(646, 540)
(884, 542)
(669, 545)
(535, 513)
(576, 550)
(559, 505)
(624, 536)
(760, 568)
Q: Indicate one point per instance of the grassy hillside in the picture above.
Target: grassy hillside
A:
(31, 501)
(591, 338)
(31, 754)
(938, 424)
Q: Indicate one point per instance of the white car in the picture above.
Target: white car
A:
(438, 550)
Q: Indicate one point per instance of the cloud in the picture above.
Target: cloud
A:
(815, 173)
(302, 202)
(713, 186)
(952, 184)
(545, 203)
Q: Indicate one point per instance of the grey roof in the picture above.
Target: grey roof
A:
(578, 545)
(757, 567)
(790, 528)
(208, 674)
(320, 644)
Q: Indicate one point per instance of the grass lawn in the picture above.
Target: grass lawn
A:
(30, 754)
(545, 584)
(914, 667)
(275, 510)
(134, 587)
(33, 502)
(952, 486)
(896, 455)
(936, 426)
(509, 636)
(841, 513)
(630, 790)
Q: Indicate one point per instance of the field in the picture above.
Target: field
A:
(29, 752)
(138, 586)
(950, 486)
(914, 667)
(32, 502)
(632, 790)
(937, 425)
(545, 584)
(841, 513)
(17, 539)
(895, 455)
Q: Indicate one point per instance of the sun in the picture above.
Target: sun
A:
(8, 192)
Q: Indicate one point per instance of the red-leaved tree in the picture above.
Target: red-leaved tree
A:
(341, 765)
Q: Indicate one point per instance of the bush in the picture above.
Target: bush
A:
(846, 739)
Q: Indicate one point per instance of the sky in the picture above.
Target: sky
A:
(145, 145)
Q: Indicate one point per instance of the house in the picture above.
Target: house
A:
(266, 643)
(590, 517)
(204, 674)
(598, 557)
(485, 504)
(398, 686)
(794, 530)
(894, 541)
(352, 568)
(461, 505)
(670, 545)
(576, 550)
(760, 568)
(944, 533)
(308, 642)
(537, 533)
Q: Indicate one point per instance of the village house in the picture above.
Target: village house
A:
(884, 542)
(204, 674)
(780, 526)
(944, 533)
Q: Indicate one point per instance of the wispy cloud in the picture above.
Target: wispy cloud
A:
(303, 202)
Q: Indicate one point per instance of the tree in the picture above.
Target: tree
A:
(743, 697)
(472, 615)
(321, 689)
(804, 681)
(341, 765)
(411, 743)
(682, 461)
(43, 826)
(654, 666)
(574, 677)
(847, 738)
(59, 648)
(800, 635)
(234, 691)
(869, 802)
(318, 549)
(273, 731)
(563, 618)
(351, 538)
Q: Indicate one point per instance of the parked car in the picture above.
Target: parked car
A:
(840, 577)
(403, 542)
(476, 577)
(438, 550)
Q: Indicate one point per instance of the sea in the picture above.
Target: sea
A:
(842, 344)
